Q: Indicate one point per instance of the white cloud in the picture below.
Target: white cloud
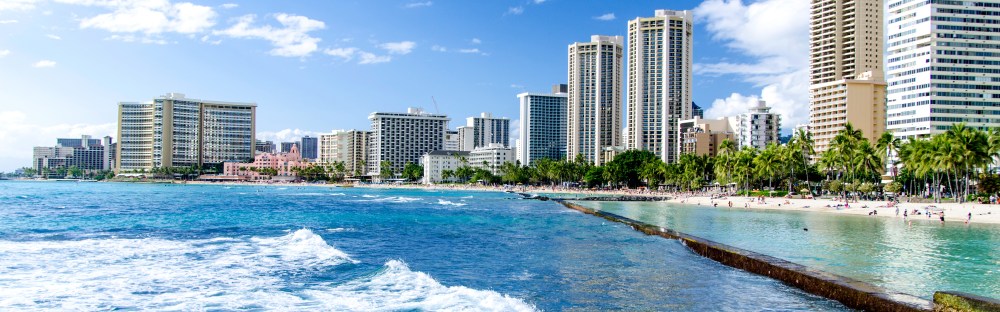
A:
(468, 51)
(53, 37)
(515, 10)
(605, 17)
(148, 16)
(438, 48)
(20, 5)
(370, 58)
(733, 105)
(413, 5)
(286, 135)
(229, 5)
(207, 39)
(133, 38)
(4, 53)
(345, 53)
(291, 40)
(773, 34)
(539, 1)
(8, 22)
(44, 64)
(18, 136)
(401, 48)
(476, 41)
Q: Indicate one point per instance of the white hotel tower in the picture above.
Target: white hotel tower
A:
(659, 81)
(943, 65)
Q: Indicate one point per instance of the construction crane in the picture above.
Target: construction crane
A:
(436, 110)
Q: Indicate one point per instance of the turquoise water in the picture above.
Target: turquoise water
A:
(917, 259)
(106, 246)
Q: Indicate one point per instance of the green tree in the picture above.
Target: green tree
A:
(385, 170)
(626, 167)
(413, 172)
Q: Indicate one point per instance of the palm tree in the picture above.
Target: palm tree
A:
(767, 163)
(887, 146)
(804, 143)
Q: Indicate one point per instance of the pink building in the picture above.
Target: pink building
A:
(283, 163)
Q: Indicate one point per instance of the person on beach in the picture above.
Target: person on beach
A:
(942, 217)
(969, 218)
(897, 211)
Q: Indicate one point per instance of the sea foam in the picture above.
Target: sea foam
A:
(215, 274)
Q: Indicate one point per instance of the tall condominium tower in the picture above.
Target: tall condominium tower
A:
(847, 82)
(659, 81)
(758, 127)
(308, 147)
(543, 126)
(402, 138)
(347, 146)
(487, 130)
(174, 131)
(944, 65)
(594, 98)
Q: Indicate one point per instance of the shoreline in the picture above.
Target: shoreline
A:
(954, 212)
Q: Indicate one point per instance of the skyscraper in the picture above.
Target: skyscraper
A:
(309, 145)
(941, 68)
(487, 130)
(174, 131)
(543, 126)
(758, 127)
(659, 81)
(594, 98)
(846, 83)
(402, 138)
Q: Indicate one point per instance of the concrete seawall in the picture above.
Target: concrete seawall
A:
(852, 293)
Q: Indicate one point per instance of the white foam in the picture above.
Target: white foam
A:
(397, 288)
(338, 230)
(216, 274)
(369, 196)
(450, 203)
(104, 274)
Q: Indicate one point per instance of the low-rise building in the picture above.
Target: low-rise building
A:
(703, 137)
(281, 165)
(436, 162)
(491, 157)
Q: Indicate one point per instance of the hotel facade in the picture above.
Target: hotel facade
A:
(402, 138)
(174, 131)
(542, 126)
(943, 66)
(659, 81)
(594, 97)
(846, 82)
(347, 146)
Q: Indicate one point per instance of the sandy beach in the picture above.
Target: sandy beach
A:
(954, 212)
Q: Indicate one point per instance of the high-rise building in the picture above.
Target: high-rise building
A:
(286, 147)
(347, 146)
(402, 138)
(543, 126)
(758, 127)
(174, 131)
(487, 130)
(466, 138)
(452, 140)
(594, 97)
(943, 66)
(84, 153)
(697, 111)
(308, 147)
(659, 81)
(266, 147)
(491, 157)
(846, 83)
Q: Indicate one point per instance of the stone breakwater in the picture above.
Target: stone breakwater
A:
(852, 293)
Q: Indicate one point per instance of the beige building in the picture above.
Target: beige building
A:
(347, 146)
(847, 81)
(594, 97)
(175, 131)
(659, 81)
(704, 136)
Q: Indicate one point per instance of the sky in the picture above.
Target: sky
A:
(316, 66)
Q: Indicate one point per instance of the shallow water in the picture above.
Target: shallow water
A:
(103, 246)
(917, 259)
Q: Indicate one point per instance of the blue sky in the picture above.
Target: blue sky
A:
(315, 66)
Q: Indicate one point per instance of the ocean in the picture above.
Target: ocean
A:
(121, 246)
